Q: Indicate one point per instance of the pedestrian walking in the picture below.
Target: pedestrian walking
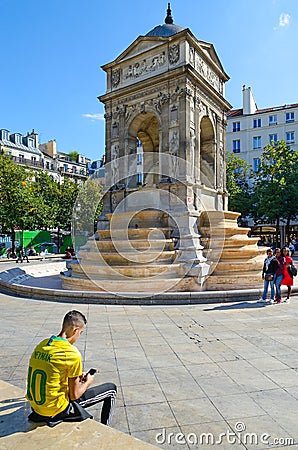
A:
(279, 274)
(22, 255)
(287, 279)
(268, 274)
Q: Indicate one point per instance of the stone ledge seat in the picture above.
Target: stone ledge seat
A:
(18, 433)
(146, 285)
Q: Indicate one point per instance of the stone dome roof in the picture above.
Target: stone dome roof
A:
(168, 28)
(165, 30)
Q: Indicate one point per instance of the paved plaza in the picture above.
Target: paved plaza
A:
(190, 369)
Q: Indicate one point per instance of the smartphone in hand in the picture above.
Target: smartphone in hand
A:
(91, 372)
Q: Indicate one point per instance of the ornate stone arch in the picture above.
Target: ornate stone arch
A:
(207, 152)
(146, 127)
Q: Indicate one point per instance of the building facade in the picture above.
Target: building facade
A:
(26, 151)
(96, 169)
(250, 129)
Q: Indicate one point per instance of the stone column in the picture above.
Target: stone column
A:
(108, 119)
(190, 255)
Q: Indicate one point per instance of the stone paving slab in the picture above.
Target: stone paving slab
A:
(182, 372)
(18, 433)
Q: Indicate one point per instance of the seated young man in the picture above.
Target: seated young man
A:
(56, 387)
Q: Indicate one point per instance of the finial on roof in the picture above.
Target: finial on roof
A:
(169, 18)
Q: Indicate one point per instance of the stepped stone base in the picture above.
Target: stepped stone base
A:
(236, 260)
(137, 255)
(147, 258)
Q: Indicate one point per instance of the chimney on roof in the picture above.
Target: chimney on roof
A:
(35, 136)
(50, 148)
(249, 104)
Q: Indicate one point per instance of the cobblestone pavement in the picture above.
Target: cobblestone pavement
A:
(182, 372)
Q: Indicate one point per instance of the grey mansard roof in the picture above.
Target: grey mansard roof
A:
(20, 147)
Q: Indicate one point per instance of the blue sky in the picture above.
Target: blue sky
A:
(52, 50)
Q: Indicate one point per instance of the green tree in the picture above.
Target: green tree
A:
(276, 185)
(73, 156)
(65, 200)
(46, 191)
(87, 208)
(33, 200)
(57, 200)
(18, 202)
(238, 173)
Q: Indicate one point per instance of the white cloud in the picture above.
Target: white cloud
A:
(94, 116)
(284, 20)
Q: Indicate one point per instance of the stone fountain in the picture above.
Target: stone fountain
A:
(165, 224)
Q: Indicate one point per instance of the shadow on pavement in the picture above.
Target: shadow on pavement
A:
(240, 305)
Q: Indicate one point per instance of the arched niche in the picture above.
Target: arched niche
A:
(207, 152)
(145, 127)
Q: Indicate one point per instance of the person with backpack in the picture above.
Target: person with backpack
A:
(288, 277)
(268, 274)
(279, 276)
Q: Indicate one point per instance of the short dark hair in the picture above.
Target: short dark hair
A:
(74, 319)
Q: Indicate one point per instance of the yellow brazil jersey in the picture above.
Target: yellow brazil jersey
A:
(52, 362)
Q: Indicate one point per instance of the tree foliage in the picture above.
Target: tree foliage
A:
(73, 156)
(276, 185)
(88, 206)
(33, 200)
(47, 191)
(18, 201)
(86, 211)
(238, 174)
(66, 198)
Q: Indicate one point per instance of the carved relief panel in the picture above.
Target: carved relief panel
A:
(115, 130)
(114, 163)
(174, 115)
(173, 151)
(143, 66)
(198, 62)
(115, 79)
(174, 53)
